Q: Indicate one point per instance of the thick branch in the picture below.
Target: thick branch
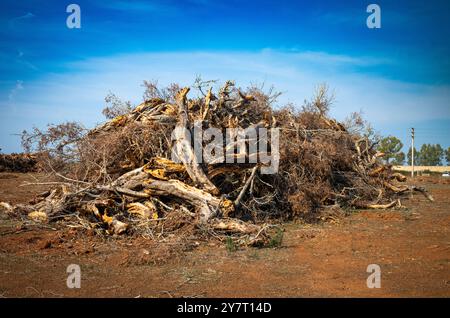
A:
(208, 205)
(237, 202)
(184, 147)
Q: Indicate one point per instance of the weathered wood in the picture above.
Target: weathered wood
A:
(209, 205)
(395, 188)
(184, 148)
(381, 206)
(208, 99)
(234, 226)
(424, 192)
(237, 202)
(397, 176)
(144, 210)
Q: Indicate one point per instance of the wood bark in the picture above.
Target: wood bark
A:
(184, 148)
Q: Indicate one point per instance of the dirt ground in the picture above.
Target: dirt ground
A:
(412, 247)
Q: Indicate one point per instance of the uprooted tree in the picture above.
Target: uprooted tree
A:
(121, 176)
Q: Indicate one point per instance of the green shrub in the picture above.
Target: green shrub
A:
(277, 239)
(230, 245)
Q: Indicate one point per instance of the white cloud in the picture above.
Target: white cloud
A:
(326, 59)
(27, 15)
(13, 92)
(12, 22)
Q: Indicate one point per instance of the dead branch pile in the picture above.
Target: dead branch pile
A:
(18, 162)
(122, 177)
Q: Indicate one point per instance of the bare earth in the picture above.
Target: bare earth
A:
(412, 247)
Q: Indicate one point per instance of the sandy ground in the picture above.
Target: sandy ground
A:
(411, 246)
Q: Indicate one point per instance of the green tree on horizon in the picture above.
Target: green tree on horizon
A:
(447, 155)
(399, 159)
(431, 155)
(392, 147)
(416, 157)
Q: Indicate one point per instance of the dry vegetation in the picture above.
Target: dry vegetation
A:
(118, 177)
(18, 162)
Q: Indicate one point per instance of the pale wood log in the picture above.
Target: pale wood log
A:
(184, 147)
(381, 206)
(237, 202)
(424, 192)
(209, 205)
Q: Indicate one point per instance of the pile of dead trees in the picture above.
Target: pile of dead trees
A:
(122, 176)
(18, 162)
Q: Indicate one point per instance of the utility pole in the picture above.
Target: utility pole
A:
(412, 152)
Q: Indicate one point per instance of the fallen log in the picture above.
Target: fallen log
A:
(381, 206)
(423, 191)
(209, 205)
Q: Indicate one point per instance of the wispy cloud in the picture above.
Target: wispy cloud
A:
(12, 22)
(21, 60)
(15, 90)
(27, 15)
(324, 58)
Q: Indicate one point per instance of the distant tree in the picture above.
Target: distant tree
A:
(391, 146)
(356, 124)
(416, 157)
(115, 106)
(447, 155)
(58, 139)
(152, 90)
(431, 155)
(399, 159)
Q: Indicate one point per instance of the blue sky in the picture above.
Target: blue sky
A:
(399, 75)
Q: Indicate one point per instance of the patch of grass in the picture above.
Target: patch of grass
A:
(277, 239)
(230, 245)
